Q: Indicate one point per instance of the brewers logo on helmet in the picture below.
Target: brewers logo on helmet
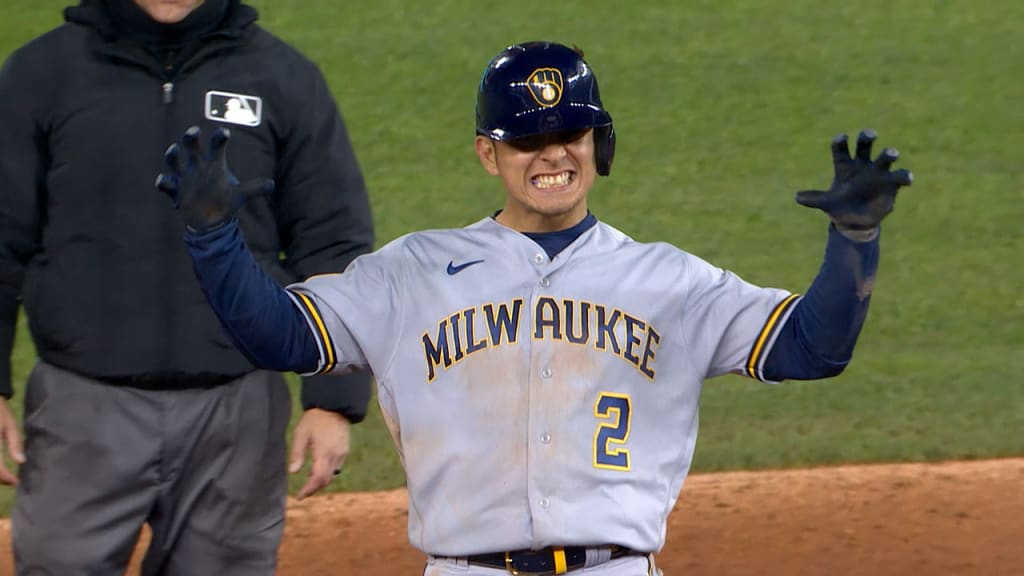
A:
(546, 86)
(542, 87)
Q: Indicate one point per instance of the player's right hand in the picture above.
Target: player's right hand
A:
(201, 185)
(10, 439)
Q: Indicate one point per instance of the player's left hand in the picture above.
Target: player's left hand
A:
(326, 435)
(201, 185)
(862, 192)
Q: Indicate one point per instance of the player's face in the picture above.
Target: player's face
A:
(547, 178)
(168, 11)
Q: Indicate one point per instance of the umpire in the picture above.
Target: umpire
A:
(140, 409)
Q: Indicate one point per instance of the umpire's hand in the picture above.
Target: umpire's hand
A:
(11, 439)
(862, 192)
(326, 435)
(202, 186)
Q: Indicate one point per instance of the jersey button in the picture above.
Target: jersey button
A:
(545, 438)
(545, 282)
(546, 373)
(538, 258)
(545, 503)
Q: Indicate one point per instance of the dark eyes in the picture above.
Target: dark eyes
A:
(541, 141)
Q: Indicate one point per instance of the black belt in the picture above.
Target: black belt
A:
(171, 380)
(545, 561)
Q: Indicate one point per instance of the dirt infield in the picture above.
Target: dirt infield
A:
(957, 518)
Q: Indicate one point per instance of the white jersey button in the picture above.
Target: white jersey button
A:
(545, 282)
(546, 373)
(544, 502)
(545, 438)
(538, 258)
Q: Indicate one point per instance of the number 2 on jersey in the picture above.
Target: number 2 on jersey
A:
(611, 435)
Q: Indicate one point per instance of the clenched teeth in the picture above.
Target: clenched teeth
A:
(552, 180)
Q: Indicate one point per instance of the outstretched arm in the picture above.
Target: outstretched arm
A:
(818, 338)
(263, 319)
(258, 315)
(256, 312)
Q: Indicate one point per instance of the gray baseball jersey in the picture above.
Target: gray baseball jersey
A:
(534, 401)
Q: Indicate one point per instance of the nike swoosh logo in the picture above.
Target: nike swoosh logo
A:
(453, 269)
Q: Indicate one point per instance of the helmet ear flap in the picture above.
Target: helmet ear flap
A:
(604, 148)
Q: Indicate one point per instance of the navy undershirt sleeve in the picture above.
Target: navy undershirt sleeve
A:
(256, 312)
(818, 338)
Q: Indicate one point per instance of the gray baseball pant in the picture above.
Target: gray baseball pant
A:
(205, 468)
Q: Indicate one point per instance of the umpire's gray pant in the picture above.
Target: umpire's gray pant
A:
(205, 468)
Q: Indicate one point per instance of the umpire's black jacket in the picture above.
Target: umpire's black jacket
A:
(95, 253)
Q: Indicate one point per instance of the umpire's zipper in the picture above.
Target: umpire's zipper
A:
(169, 72)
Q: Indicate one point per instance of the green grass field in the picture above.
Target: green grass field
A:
(723, 110)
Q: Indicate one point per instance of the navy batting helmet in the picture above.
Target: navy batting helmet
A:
(541, 87)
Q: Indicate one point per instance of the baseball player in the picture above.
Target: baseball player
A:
(540, 370)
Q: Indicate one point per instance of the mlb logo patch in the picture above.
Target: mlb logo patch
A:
(241, 109)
